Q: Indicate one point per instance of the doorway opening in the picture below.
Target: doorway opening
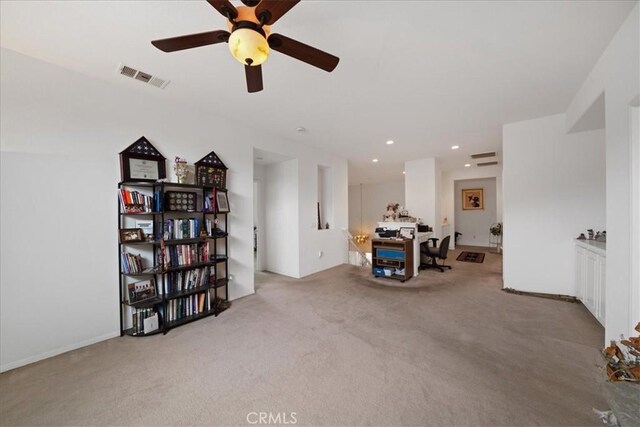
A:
(275, 201)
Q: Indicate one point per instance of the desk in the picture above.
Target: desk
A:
(420, 237)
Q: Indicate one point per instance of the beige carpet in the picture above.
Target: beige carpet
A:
(336, 348)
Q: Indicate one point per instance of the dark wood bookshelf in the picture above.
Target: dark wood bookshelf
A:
(392, 254)
(146, 193)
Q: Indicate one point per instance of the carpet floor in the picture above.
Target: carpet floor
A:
(336, 348)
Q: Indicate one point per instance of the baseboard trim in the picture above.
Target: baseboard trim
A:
(566, 298)
(29, 360)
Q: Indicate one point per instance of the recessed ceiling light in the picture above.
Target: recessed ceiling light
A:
(301, 129)
(389, 142)
(455, 147)
(403, 172)
(375, 160)
(467, 165)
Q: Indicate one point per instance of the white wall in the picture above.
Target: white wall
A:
(448, 194)
(281, 218)
(61, 135)
(374, 199)
(422, 191)
(554, 189)
(321, 249)
(474, 224)
(259, 214)
(616, 74)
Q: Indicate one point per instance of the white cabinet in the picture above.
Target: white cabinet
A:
(590, 276)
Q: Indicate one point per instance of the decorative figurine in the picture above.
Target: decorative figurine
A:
(180, 168)
(391, 215)
(582, 237)
(590, 231)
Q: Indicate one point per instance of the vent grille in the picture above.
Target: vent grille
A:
(128, 71)
(125, 70)
(487, 163)
(483, 155)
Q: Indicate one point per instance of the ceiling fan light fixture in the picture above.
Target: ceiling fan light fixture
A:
(248, 46)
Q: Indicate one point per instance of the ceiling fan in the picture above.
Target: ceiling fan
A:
(250, 38)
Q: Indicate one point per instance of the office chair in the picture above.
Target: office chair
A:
(435, 253)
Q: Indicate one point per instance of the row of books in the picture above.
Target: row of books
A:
(183, 280)
(184, 228)
(180, 308)
(131, 263)
(181, 255)
(145, 320)
(209, 204)
(135, 202)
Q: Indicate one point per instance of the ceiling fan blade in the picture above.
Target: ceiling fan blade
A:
(225, 8)
(303, 52)
(274, 9)
(192, 40)
(254, 78)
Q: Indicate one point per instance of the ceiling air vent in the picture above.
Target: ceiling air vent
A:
(142, 76)
(487, 163)
(483, 155)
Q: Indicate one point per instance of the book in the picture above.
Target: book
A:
(150, 324)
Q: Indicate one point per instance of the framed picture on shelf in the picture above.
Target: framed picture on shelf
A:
(473, 199)
(131, 235)
(407, 232)
(222, 202)
(140, 291)
(147, 228)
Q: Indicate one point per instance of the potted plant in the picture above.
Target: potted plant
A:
(496, 229)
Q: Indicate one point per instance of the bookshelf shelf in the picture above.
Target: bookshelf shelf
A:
(132, 332)
(188, 292)
(173, 237)
(144, 304)
(192, 318)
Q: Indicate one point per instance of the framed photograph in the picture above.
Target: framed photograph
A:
(131, 235)
(222, 203)
(407, 232)
(473, 199)
(140, 291)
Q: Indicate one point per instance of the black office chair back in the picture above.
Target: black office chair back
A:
(444, 247)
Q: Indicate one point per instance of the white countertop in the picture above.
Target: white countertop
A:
(593, 246)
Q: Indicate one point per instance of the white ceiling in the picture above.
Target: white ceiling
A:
(425, 74)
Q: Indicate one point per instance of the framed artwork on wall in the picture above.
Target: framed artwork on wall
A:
(473, 199)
